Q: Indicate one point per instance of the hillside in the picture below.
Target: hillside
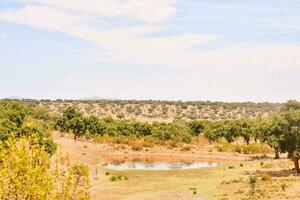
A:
(163, 110)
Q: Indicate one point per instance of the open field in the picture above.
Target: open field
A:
(229, 181)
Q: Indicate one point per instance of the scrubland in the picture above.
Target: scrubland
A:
(59, 152)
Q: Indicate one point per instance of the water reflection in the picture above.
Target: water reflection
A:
(158, 166)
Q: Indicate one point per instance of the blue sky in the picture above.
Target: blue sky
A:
(225, 50)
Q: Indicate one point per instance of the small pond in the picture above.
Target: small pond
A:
(158, 166)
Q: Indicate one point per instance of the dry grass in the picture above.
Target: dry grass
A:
(274, 179)
(254, 148)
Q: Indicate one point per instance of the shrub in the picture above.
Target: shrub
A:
(118, 178)
(244, 148)
(252, 182)
(25, 173)
(283, 186)
(186, 148)
(113, 178)
(137, 148)
(266, 177)
(256, 148)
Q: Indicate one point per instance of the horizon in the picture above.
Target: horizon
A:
(155, 100)
(188, 50)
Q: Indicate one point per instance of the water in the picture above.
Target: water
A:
(158, 166)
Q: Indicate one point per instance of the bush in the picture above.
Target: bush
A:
(113, 179)
(118, 178)
(25, 173)
(256, 148)
(266, 177)
(252, 182)
(283, 186)
(244, 148)
(137, 148)
(186, 148)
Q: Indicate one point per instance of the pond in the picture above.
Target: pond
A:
(158, 166)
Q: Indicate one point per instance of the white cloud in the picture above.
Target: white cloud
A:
(41, 17)
(131, 44)
(149, 11)
(122, 43)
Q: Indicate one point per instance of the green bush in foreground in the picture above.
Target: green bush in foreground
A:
(27, 173)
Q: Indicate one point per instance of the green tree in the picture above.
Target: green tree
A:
(78, 126)
(291, 105)
(282, 132)
(245, 129)
(271, 130)
(95, 126)
(290, 139)
(211, 131)
(14, 111)
(228, 129)
(72, 121)
(196, 127)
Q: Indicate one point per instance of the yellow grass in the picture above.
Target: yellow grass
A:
(228, 181)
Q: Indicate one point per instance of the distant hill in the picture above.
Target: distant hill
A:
(150, 110)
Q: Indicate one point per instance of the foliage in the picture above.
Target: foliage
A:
(196, 127)
(168, 110)
(74, 121)
(282, 131)
(26, 173)
(17, 120)
(14, 111)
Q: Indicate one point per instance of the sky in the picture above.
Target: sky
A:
(217, 50)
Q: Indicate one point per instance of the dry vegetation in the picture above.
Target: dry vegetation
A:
(246, 171)
(240, 176)
(164, 110)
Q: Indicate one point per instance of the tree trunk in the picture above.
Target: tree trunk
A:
(296, 163)
(247, 141)
(75, 136)
(276, 153)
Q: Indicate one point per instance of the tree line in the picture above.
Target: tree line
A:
(281, 131)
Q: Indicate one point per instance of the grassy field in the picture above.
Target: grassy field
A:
(216, 183)
(271, 179)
